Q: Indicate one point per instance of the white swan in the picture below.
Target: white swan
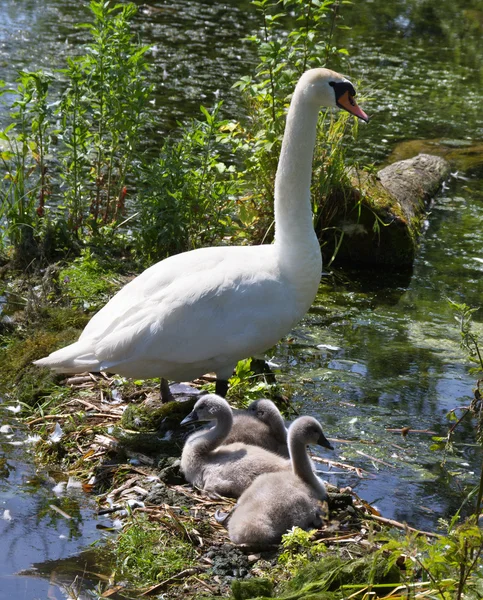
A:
(276, 502)
(221, 469)
(205, 310)
(261, 424)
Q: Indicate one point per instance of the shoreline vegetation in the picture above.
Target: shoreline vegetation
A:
(83, 207)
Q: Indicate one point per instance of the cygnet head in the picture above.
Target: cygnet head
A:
(208, 408)
(263, 409)
(324, 87)
(309, 431)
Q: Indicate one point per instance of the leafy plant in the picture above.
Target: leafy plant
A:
(98, 127)
(25, 184)
(247, 385)
(103, 111)
(189, 191)
(282, 60)
(299, 548)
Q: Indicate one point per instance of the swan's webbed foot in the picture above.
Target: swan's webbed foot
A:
(221, 387)
(165, 392)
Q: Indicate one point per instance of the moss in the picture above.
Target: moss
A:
(86, 282)
(22, 380)
(252, 588)
(375, 229)
(140, 417)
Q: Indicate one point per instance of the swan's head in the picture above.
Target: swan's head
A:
(264, 410)
(324, 87)
(207, 408)
(309, 431)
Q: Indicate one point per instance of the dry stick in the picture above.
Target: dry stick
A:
(340, 465)
(47, 418)
(401, 525)
(208, 587)
(406, 430)
(378, 460)
(181, 575)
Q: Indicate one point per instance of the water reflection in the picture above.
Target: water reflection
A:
(29, 527)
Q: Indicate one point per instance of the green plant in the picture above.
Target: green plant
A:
(103, 111)
(299, 548)
(26, 183)
(446, 566)
(282, 60)
(189, 191)
(146, 554)
(97, 125)
(247, 385)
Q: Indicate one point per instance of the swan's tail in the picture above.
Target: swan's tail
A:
(79, 357)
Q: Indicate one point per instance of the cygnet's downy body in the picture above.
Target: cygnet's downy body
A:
(276, 502)
(218, 468)
(261, 424)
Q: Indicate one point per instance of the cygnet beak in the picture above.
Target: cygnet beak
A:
(324, 442)
(191, 418)
(347, 102)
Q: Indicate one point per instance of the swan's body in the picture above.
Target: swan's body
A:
(261, 424)
(205, 310)
(228, 469)
(276, 502)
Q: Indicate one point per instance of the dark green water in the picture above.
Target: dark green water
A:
(379, 350)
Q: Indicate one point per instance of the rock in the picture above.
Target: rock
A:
(381, 216)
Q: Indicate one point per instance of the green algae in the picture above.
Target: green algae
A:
(22, 380)
(464, 155)
(252, 588)
(372, 227)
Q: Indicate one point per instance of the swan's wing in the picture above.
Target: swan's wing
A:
(149, 287)
(191, 322)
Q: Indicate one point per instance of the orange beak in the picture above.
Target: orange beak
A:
(347, 102)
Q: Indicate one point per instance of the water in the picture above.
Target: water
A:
(36, 539)
(378, 350)
(394, 360)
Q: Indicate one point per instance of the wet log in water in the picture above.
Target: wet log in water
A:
(378, 221)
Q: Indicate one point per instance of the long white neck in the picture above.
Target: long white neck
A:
(302, 466)
(293, 213)
(295, 239)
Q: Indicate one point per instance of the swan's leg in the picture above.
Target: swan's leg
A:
(166, 395)
(221, 387)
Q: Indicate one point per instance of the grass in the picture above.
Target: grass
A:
(146, 554)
